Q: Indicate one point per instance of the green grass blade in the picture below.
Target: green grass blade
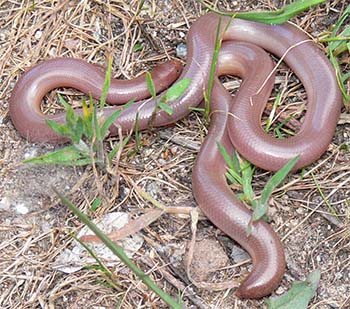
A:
(227, 157)
(247, 176)
(232, 179)
(165, 107)
(276, 103)
(236, 176)
(64, 102)
(61, 129)
(137, 133)
(276, 179)
(329, 205)
(118, 251)
(101, 266)
(150, 85)
(235, 160)
(96, 203)
(335, 47)
(340, 77)
(212, 74)
(68, 156)
(273, 17)
(109, 121)
(259, 211)
(345, 77)
(114, 151)
(107, 83)
(95, 124)
(196, 109)
(177, 90)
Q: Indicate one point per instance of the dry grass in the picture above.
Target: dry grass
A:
(315, 235)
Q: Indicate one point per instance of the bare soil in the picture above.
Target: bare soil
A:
(310, 213)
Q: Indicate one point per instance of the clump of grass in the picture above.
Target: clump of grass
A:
(172, 94)
(339, 42)
(86, 133)
(240, 173)
(119, 252)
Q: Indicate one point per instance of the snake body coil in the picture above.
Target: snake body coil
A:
(242, 132)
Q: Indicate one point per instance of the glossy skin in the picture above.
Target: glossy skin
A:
(243, 132)
(89, 78)
(253, 65)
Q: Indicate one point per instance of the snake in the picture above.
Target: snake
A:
(235, 122)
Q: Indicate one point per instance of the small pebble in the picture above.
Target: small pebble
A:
(31, 153)
(38, 34)
(22, 209)
(181, 50)
(53, 52)
(182, 34)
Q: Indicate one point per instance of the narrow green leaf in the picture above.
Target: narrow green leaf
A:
(197, 109)
(96, 203)
(247, 176)
(336, 66)
(95, 124)
(299, 295)
(78, 130)
(177, 90)
(61, 129)
(150, 85)
(227, 157)
(108, 122)
(278, 133)
(140, 7)
(64, 102)
(342, 41)
(276, 179)
(345, 76)
(111, 118)
(336, 47)
(231, 179)
(333, 45)
(236, 176)
(105, 284)
(259, 211)
(118, 251)
(114, 151)
(212, 74)
(107, 83)
(276, 103)
(71, 118)
(100, 266)
(137, 133)
(273, 17)
(137, 47)
(327, 202)
(65, 156)
(165, 107)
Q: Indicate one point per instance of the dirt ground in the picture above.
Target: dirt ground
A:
(310, 213)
